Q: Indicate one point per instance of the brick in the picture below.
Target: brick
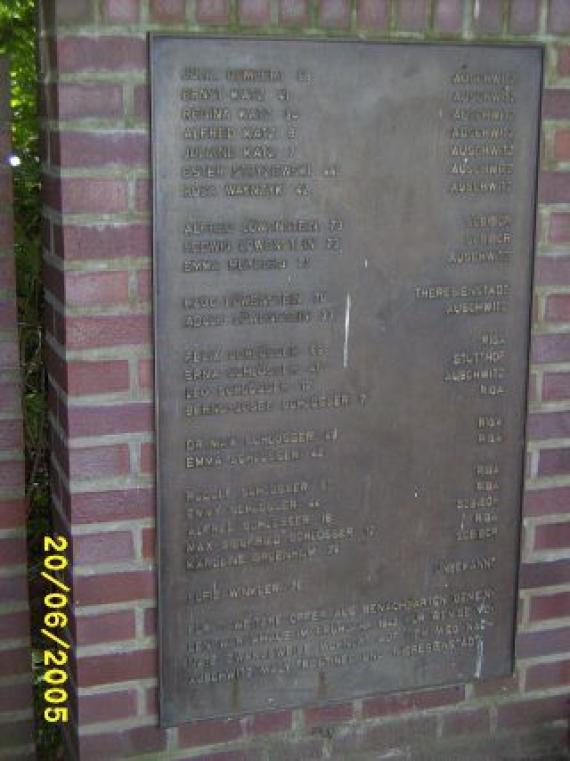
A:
(562, 145)
(559, 228)
(524, 16)
(529, 712)
(547, 501)
(144, 285)
(109, 706)
(554, 462)
(558, 307)
(143, 196)
(412, 15)
(552, 536)
(121, 586)
(556, 387)
(563, 56)
(495, 687)
(384, 705)
(544, 574)
(269, 723)
(54, 281)
(6, 189)
(243, 755)
(475, 721)
(547, 607)
(334, 13)
(544, 642)
(209, 732)
(16, 697)
(556, 104)
(147, 458)
(105, 547)
(69, 12)
(548, 425)
(8, 316)
(98, 507)
(98, 149)
(84, 101)
(550, 348)
(151, 701)
(99, 462)
(293, 12)
(13, 551)
(99, 377)
(121, 11)
(393, 734)
(96, 54)
(532, 387)
(73, 195)
(10, 398)
(148, 543)
(6, 232)
(103, 241)
(552, 270)
(13, 588)
(253, 12)
(120, 330)
(123, 744)
(545, 675)
(168, 11)
(135, 417)
(11, 475)
(146, 373)
(554, 187)
(558, 16)
(326, 715)
(142, 102)
(489, 20)
(150, 622)
(212, 11)
(21, 733)
(11, 434)
(105, 627)
(448, 15)
(7, 273)
(12, 513)
(96, 288)
(14, 662)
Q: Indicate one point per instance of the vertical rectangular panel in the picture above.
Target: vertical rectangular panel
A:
(343, 242)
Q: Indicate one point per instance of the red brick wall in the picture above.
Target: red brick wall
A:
(97, 256)
(15, 657)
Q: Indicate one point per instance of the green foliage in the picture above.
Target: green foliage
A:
(18, 26)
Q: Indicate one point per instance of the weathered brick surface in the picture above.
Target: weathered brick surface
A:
(97, 236)
(16, 702)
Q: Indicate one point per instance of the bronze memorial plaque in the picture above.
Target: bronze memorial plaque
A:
(343, 237)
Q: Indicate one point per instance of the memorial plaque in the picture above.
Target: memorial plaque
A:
(343, 240)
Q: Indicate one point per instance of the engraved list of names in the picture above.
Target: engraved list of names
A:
(342, 251)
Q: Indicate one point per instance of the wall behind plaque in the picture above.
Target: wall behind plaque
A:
(97, 262)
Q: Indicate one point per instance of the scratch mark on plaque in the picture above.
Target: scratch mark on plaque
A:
(367, 490)
(479, 664)
(346, 330)
(366, 264)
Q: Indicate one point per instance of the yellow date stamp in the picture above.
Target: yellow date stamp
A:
(55, 619)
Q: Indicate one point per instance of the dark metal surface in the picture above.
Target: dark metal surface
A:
(343, 239)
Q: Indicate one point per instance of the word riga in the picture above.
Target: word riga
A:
(55, 620)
